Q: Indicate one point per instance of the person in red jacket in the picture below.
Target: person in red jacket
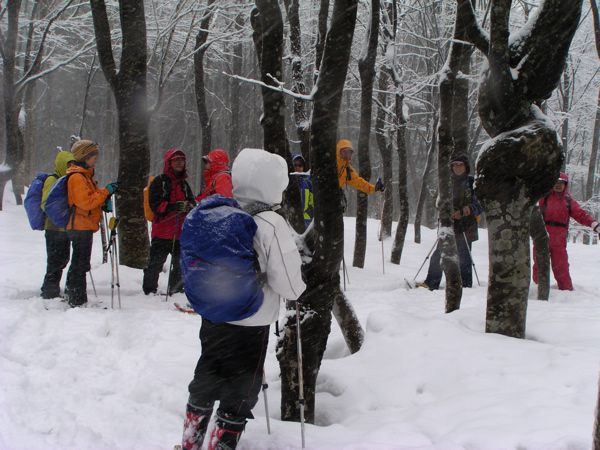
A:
(217, 176)
(170, 198)
(557, 208)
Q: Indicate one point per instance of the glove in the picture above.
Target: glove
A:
(108, 205)
(182, 206)
(112, 187)
(379, 185)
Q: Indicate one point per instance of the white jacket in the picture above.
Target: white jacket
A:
(260, 176)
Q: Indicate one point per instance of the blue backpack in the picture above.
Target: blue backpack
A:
(57, 204)
(33, 201)
(221, 273)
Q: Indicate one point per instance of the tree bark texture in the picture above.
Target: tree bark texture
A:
(521, 162)
(539, 235)
(385, 149)
(321, 34)
(596, 431)
(366, 69)
(129, 88)
(14, 154)
(199, 86)
(403, 210)
(236, 66)
(591, 177)
(323, 279)
(267, 23)
(301, 111)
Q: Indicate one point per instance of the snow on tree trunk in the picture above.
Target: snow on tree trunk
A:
(403, 210)
(521, 162)
(366, 69)
(425, 180)
(323, 279)
(129, 88)
(589, 187)
(385, 149)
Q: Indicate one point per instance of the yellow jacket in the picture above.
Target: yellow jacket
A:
(347, 174)
(60, 169)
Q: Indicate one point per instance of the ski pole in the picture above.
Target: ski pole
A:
(300, 372)
(264, 389)
(425, 260)
(114, 262)
(103, 237)
(93, 284)
(381, 203)
(471, 257)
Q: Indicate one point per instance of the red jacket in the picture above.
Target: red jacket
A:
(165, 191)
(557, 208)
(217, 179)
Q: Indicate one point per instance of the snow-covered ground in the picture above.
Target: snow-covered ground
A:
(98, 378)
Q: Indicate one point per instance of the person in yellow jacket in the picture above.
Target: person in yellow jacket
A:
(346, 173)
(85, 201)
(57, 242)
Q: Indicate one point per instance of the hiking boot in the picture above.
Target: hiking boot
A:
(422, 284)
(194, 427)
(227, 433)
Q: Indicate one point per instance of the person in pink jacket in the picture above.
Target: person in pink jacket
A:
(557, 208)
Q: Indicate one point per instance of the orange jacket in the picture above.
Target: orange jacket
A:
(347, 174)
(86, 198)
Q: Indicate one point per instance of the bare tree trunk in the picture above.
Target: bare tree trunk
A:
(366, 69)
(323, 280)
(403, 210)
(522, 161)
(86, 94)
(321, 34)
(236, 65)
(199, 87)
(301, 112)
(537, 230)
(596, 431)
(385, 149)
(268, 39)
(347, 320)
(129, 88)
(589, 187)
(425, 180)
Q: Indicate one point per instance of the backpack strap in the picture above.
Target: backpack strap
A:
(213, 185)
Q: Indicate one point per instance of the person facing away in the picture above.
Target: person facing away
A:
(57, 241)
(170, 198)
(466, 208)
(217, 176)
(346, 173)
(557, 208)
(230, 367)
(305, 186)
(85, 201)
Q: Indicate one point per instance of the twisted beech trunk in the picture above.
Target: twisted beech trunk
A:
(521, 162)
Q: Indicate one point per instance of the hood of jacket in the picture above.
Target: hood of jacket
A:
(60, 162)
(167, 169)
(219, 162)
(259, 176)
(463, 159)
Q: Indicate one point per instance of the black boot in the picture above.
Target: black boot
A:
(194, 427)
(227, 433)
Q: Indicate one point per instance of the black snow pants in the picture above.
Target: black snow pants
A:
(434, 273)
(76, 290)
(57, 251)
(230, 368)
(159, 250)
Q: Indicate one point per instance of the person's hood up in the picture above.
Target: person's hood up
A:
(259, 176)
(60, 162)
(342, 143)
(463, 159)
(169, 155)
(219, 160)
(563, 177)
(298, 156)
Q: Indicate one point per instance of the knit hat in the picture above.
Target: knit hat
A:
(461, 159)
(563, 177)
(84, 149)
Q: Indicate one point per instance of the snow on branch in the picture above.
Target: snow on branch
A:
(279, 88)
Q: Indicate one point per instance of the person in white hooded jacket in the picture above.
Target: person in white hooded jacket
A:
(231, 364)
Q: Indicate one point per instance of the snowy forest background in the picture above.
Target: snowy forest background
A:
(68, 93)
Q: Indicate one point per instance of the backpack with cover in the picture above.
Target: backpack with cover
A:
(148, 213)
(221, 273)
(57, 204)
(33, 201)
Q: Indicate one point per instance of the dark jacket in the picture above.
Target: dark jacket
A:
(165, 191)
(463, 195)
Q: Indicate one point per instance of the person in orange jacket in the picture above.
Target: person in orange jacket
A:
(85, 201)
(346, 173)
